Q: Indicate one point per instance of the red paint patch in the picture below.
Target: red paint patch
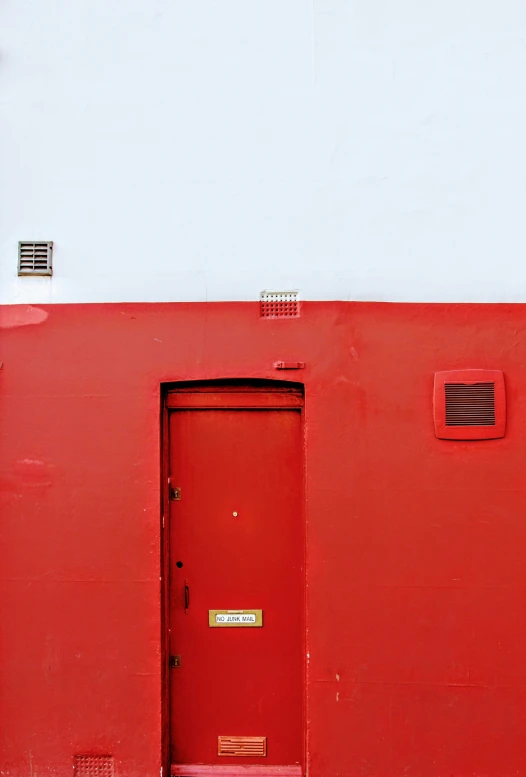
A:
(12, 316)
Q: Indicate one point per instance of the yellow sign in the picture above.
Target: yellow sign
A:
(235, 618)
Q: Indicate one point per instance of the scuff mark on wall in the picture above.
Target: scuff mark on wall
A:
(27, 473)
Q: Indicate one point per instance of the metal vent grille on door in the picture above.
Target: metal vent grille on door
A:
(279, 304)
(93, 766)
(470, 404)
(35, 258)
(249, 747)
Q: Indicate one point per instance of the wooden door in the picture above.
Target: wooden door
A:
(236, 544)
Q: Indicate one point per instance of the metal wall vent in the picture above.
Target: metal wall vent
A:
(470, 405)
(94, 766)
(279, 304)
(35, 258)
(249, 747)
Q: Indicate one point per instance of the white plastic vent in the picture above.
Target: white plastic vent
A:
(35, 258)
(279, 304)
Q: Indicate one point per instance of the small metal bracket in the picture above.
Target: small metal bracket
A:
(289, 365)
(175, 662)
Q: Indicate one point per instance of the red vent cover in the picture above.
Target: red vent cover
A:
(279, 304)
(470, 405)
(93, 766)
(246, 747)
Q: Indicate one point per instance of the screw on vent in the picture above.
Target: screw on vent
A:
(35, 258)
(279, 304)
(94, 766)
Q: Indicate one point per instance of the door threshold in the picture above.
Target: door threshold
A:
(220, 770)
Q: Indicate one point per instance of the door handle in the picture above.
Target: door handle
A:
(186, 596)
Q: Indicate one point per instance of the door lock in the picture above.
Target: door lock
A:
(175, 494)
(175, 662)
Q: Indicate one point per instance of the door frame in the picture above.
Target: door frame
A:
(234, 394)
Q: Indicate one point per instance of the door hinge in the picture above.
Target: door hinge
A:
(175, 662)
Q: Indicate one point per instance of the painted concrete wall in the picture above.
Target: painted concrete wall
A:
(416, 579)
(204, 150)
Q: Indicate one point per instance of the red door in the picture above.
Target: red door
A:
(236, 544)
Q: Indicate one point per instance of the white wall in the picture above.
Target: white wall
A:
(209, 149)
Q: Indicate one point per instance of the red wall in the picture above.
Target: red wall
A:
(416, 546)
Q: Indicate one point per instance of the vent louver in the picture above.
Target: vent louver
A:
(279, 304)
(249, 747)
(35, 258)
(93, 766)
(470, 405)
